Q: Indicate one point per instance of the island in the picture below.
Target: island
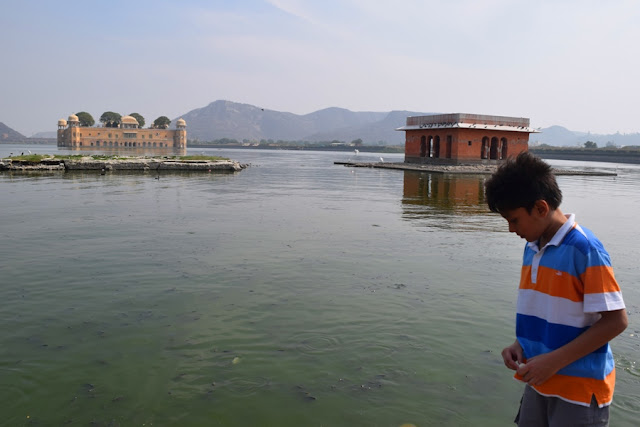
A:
(468, 169)
(113, 163)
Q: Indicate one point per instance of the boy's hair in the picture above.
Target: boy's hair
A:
(520, 182)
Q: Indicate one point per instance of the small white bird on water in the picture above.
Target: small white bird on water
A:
(356, 151)
(381, 159)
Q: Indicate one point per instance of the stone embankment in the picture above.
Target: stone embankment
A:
(460, 169)
(121, 164)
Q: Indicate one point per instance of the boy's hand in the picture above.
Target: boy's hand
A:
(512, 356)
(538, 369)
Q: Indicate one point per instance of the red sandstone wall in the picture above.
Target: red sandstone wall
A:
(466, 144)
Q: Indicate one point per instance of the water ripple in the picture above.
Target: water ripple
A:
(315, 343)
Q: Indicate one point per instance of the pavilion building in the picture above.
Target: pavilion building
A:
(461, 138)
(127, 136)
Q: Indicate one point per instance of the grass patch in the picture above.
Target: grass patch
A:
(93, 156)
(35, 158)
(200, 157)
(68, 156)
(29, 158)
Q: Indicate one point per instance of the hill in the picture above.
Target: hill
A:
(381, 132)
(49, 134)
(559, 136)
(226, 119)
(9, 135)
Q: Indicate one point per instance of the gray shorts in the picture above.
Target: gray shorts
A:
(541, 411)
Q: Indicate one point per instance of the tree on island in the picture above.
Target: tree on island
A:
(85, 119)
(110, 119)
(590, 144)
(161, 122)
(357, 142)
(139, 118)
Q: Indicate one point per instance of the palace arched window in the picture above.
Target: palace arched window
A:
(493, 151)
(484, 153)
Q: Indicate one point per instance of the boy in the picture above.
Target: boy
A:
(569, 303)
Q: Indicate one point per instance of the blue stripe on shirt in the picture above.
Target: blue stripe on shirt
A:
(587, 251)
(552, 335)
(589, 366)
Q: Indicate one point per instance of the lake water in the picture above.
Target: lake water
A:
(293, 293)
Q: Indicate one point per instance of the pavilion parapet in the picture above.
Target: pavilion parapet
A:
(470, 119)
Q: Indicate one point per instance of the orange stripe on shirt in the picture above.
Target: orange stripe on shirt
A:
(553, 282)
(599, 279)
(578, 389)
(525, 274)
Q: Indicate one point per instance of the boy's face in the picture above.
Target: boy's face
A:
(529, 226)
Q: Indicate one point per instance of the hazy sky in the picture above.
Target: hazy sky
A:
(565, 62)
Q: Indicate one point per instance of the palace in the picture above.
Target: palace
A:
(127, 136)
(464, 138)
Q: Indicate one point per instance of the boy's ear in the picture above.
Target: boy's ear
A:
(541, 207)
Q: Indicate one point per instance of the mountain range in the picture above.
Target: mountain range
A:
(9, 135)
(562, 137)
(226, 119)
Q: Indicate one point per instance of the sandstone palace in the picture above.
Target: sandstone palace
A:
(127, 136)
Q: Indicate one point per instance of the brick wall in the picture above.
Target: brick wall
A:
(453, 145)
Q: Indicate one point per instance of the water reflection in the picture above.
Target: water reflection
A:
(431, 199)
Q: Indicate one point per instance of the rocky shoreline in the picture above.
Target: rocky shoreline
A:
(142, 164)
(460, 169)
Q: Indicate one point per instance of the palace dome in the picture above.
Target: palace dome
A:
(62, 122)
(73, 118)
(128, 120)
(181, 122)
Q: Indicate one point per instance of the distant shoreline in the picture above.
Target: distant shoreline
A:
(467, 169)
(555, 153)
(611, 156)
(364, 149)
(311, 147)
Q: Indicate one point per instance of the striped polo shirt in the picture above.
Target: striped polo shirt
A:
(563, 287)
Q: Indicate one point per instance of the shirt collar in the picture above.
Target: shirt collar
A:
(560, 234)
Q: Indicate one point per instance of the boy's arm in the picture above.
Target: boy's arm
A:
(540, 368)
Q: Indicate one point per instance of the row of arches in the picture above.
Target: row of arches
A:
(492, 148)
(430, 147)
(128, 144)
